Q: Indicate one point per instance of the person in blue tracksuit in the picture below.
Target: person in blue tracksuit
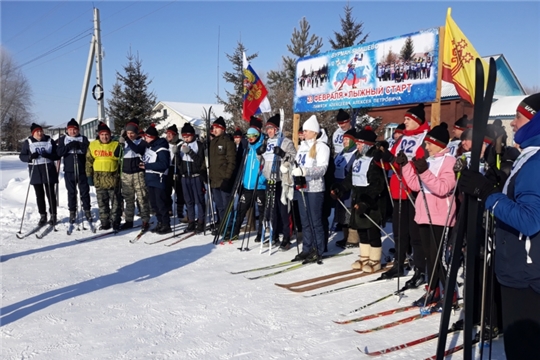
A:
(514, 200)
(253, 182)
(156, 165)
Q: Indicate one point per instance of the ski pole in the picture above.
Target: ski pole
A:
(386, 181)
(27, 191)
(367, 217)
(50, 196)
(401, 185)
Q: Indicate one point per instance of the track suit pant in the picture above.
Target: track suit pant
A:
(194, 198)
(406, 233)
(313, 231)
(71, 185)
(279, 214)
(158, 201)
(221, 199)
(43, 190)
(177, 187)
(246, 199)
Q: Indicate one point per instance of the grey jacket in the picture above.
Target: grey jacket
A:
(290, 153)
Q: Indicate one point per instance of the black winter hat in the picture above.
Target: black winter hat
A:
(367, 136)
(238, 132)
(102, 127)
(417, 113)
(133, 125)
(173, 129)
(256, 123)
(462, 123)
(301, 129)
(529, 106)
(342, 116)
(35, 127)
(152, 131)
(188, 129)
(466, 135)
(400, 128)
(351, 134)
(438, 135)
(72, 124)
(220, 122)
(274, 121)
(491, 134)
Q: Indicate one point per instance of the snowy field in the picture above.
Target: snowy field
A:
(109, 299)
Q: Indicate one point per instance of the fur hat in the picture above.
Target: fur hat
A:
(133, 125)
(256, 123)
(72, 124)
(173, 129)
(312, 124)
(151, 131)
(188, 129)
(417, 113)
(35, 127)
(342, 116)
(529, 106)
(438, 135)
(274, 121)
(102, 127)
(220, 123)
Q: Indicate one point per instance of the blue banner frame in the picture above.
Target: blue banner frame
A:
(369, 75)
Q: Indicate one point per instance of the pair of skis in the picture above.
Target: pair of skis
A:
(37, 230)
(91, 226)
(286, 264)
(185, 237)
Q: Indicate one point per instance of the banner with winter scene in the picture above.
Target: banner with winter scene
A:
(400, 70)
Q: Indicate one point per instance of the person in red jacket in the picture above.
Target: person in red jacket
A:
(406, 232)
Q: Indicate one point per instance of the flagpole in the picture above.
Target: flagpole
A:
(436, 106)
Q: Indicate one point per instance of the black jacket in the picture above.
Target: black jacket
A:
(42, 169)
(70, 153)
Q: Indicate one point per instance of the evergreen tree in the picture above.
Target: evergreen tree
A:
(407, 50)
(131, 97)
(350, 31)
(281, 82)
(234, 101)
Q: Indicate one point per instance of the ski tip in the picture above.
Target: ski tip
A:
(363, 351)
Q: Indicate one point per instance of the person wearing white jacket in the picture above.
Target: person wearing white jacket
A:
(311, 165)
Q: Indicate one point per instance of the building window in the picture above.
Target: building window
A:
(164, 113)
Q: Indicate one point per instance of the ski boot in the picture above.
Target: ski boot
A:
(42, 220)
(72, 217)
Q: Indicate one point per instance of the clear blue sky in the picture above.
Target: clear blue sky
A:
(178, 40)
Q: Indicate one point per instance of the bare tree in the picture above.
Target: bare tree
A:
(15, 103)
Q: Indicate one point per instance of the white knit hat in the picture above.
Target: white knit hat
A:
(312, 124)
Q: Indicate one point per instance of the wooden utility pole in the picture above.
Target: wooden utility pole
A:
(295, 127)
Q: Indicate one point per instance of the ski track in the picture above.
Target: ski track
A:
(109, 299)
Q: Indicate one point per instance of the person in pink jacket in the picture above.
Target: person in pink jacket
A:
(434, 180)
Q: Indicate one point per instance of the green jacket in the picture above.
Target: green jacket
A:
(222, 158)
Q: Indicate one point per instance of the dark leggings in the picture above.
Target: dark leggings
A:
(43, 190)
(430, 247)
(406, 233)
(371, 236)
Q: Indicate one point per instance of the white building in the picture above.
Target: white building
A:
(178, 113)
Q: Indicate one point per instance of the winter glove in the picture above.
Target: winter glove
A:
(34, 156)
(173, 149)
(74, 145)
(90, 180)
(387, 157)
(279, 151)
(361, 208)
(377, 155)
(460, 164)
(261, 149)
(185, 149)
(175, 177)
(298, 171)
(475, 184)
(421, 165)
(46, 155)
(122, 140)
(284, 168)
(335, 191)
(496, 176)
(401, 159)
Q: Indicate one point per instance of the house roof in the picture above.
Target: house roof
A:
(448, 90)
(192, 112)
(505, 106)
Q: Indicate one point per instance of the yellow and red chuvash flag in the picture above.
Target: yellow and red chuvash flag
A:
(255, 93)
(459, 60)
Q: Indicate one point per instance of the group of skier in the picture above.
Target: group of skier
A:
(417, 179)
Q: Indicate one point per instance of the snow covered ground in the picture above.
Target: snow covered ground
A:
(109, 299)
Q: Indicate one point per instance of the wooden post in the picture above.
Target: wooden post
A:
(295, 127)
(436, 106)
